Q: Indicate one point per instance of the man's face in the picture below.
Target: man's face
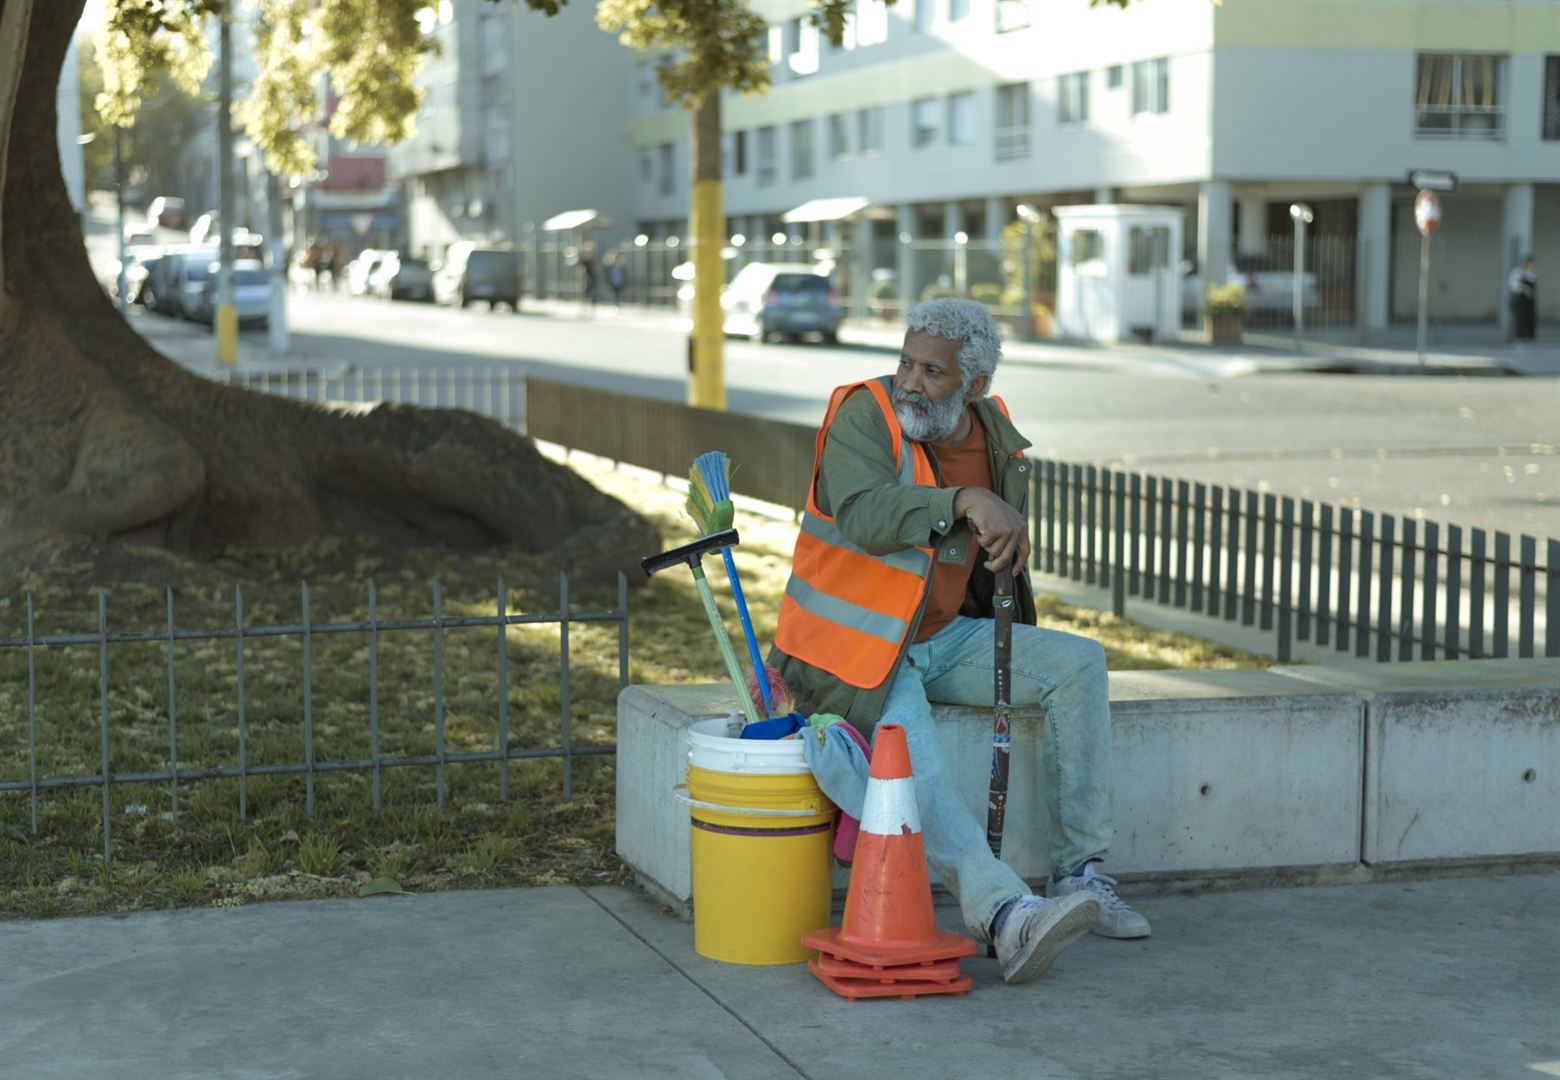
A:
(930, 392)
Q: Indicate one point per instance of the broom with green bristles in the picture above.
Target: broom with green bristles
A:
(709, 505)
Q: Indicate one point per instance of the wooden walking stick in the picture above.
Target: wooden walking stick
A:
(1001, 716)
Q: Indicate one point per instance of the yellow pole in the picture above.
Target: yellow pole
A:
(707, 388)
(707, 223)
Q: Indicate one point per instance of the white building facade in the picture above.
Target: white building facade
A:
(946, 114)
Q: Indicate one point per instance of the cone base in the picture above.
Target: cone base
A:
(857, 989)
(942, 971)
(943, 946)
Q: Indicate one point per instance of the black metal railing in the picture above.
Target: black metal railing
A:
(1348, 579)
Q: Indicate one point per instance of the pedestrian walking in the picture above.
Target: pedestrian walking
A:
(617, 278)
(917, 503)
(588, 274)
(1522, 294)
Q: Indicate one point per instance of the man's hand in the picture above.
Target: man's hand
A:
(1000, 530)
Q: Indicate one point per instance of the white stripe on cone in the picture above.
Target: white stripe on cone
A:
(890, 807)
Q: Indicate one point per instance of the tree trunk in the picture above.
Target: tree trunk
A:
(102, 436)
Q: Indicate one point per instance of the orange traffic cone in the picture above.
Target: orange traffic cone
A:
(889, 941)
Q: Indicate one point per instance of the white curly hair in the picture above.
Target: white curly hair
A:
(964, 321)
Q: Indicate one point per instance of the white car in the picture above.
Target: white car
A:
(1266, 289)
(251, 293)
(362, 268)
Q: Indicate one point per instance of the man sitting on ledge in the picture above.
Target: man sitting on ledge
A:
(889, 608)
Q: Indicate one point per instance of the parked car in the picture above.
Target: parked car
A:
(138, 262)
(361, 268)
(470, 273)
(782, 299)
(1267, 290)
(169, 277)
(167, 212)
(140, 236)
(398, 278)
(189, 282)
(251, 293)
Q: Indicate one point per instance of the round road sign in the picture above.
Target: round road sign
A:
(1427, 212)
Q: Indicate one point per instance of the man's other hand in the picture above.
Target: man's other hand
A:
(999, 529)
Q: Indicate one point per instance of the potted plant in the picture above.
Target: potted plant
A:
(1226, 313)
(1040, 320)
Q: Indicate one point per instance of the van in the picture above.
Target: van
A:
(473, 272)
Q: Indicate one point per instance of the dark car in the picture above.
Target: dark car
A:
(471, 273)
(402, 278)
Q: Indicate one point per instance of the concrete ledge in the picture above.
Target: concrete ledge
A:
(1216, 772)
(1463, 759)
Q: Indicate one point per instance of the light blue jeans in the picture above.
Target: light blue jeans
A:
(1062, 672)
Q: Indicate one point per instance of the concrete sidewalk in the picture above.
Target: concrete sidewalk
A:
(1425, 979)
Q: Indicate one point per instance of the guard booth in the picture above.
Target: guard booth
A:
(1118, 276)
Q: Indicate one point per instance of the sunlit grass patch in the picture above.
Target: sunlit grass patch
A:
(206, 853)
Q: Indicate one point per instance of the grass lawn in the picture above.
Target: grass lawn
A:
(207, 855)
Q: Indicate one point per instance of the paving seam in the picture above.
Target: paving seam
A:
(700, 986)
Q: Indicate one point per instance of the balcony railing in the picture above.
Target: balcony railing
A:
(1461, 121)
(1012, 143)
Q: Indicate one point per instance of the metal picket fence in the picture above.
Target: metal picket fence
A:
(1350, 580)
(437, 625)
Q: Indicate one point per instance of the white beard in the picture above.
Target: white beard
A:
(924, 419)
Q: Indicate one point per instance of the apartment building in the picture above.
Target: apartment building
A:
(524, 119)
(938, 117)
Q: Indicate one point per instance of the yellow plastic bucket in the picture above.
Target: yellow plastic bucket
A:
(761, 832)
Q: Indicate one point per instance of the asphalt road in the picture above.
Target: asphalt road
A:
(1472, 451)
(1479, 452)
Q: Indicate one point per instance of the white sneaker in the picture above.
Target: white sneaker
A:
(1037, 930)
(1116, 920)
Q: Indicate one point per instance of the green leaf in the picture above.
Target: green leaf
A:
(382, 887)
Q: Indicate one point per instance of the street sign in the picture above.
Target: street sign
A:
(1432, 180)
(1427, 212)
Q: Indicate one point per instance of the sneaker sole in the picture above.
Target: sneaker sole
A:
(1044, 950)
(1129, 935)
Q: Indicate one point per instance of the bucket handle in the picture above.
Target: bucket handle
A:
(678, 793)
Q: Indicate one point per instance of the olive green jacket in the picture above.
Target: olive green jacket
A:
(858, 484)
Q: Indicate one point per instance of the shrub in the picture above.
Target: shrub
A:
(1226, 300)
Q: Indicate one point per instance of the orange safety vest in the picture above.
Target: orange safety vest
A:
(845, 610)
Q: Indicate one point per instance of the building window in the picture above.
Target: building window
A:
(1012, 15)
(668, 169)
(958, 9)
(1012, 121)
(802, 150)
(1113, 77)
(869, 130)
(1148, 250)
(1151, 86)
(739, 153)
(776, 44)
(923, 122)
(925, 15)
(871, 22)
(804, 47)
(1459, 96)
(1087, 254)
(839, 136)
(961, 119)
(1552, 97)
(766, 156)
(1072, 98)
(646, 79)
(646, 166)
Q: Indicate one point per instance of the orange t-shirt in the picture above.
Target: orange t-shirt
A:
(964, 465)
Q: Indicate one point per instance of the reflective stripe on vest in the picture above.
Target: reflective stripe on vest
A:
(845, 609)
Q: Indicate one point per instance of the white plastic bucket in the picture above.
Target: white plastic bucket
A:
(716, 745)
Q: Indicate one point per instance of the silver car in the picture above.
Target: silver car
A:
(782, 300)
